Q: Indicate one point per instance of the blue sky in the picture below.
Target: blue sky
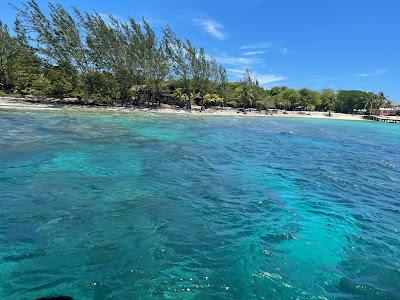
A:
(342, 44)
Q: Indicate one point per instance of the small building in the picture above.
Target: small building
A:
(386, 111)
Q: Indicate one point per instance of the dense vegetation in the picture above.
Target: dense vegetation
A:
(102, 60)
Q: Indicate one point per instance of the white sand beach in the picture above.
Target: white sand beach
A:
(23, 104)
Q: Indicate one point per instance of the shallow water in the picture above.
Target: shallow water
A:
(118, 206)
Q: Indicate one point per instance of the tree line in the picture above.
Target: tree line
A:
(104, 60)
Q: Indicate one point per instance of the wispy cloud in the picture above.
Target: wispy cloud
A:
(263, 78)
(377, 72)
(262, 45)
(237, 72)
(212, 27)
(237, 60)
(250, 53)
(285, 51)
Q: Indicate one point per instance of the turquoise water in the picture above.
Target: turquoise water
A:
(118, 206)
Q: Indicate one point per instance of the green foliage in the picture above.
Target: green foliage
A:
(102, 58)
(18, 65)
(288, 99)
(99, 86)
(86, 55)
(350, 100)
(327, 100)
(8, 52)
(63, 80)
(212, 100)
(308, 99)
(42, 87)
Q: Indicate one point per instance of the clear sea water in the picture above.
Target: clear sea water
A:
(139, 206)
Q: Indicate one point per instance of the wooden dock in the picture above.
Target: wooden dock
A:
(384, 119)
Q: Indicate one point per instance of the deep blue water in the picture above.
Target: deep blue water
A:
(128, 206)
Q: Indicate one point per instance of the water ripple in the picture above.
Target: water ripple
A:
(172, 206)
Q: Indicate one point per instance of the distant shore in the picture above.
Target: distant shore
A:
(29, 104)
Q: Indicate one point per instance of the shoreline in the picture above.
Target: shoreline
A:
(15, 103)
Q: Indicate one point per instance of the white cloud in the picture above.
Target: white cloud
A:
(236, 60)
(236, 72)
(285, 51)
(212, 27)
(373, 73)
(250, 53)
(262, 45)
(263, 78)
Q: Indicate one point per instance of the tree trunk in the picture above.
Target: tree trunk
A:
(153, 98)
(189, 103)
(202, 101)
